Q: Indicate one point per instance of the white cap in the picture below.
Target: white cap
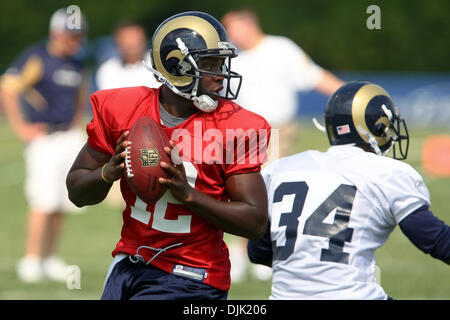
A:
(68, 19)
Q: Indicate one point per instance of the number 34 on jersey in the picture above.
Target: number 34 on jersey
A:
(309, 216)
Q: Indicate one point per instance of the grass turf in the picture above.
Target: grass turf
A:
(89, 237)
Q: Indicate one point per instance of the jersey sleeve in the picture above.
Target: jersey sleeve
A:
(246, 146)
(24, 73)
(428, 233)
(405, 192)
(99, 137)
(260, 251)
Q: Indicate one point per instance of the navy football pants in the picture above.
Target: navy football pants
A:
(130, 281)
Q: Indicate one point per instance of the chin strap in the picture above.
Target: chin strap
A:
(204, 102)
(318, 125)
(372, 141)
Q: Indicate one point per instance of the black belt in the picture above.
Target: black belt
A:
(58, 127)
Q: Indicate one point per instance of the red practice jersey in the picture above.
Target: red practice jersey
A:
(231, 140)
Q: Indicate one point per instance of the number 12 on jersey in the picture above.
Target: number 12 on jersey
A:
(338, 232)
(182, 224)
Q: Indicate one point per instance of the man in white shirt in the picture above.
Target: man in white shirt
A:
(329, 211)
(126, 70)
(274, 69)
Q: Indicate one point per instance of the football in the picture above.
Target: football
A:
(145, 151)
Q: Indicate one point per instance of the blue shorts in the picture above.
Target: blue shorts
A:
(137, 281)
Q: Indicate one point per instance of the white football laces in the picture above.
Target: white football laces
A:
(128, 161)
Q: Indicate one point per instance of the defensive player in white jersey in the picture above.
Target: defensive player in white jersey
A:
(329, 211)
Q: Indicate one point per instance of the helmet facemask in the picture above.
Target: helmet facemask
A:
(195, 65)
(397, 132)
(189, 66)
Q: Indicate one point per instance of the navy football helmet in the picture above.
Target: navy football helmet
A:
(363, 113)
(179, 46)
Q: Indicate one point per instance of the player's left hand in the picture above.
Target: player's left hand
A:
(178, 183)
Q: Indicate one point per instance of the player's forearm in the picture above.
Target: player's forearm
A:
(87, 187)
(80, 107)
(93, 173)
(428, 233)
(328, 83)
(234, 217)
(12, 107)
(260, 251)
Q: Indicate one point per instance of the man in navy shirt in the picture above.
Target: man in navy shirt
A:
(43, 100)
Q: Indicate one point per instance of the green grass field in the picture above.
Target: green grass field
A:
(89, 237)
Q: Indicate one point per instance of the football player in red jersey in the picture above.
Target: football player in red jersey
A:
(174, 248)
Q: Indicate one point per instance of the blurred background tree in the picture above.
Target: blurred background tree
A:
(413, 36)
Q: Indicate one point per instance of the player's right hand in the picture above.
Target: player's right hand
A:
(30, 131)
(177, 183)
(115, 167)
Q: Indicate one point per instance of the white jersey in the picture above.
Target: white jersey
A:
(272, 74)
(113, 73)
(329, 212)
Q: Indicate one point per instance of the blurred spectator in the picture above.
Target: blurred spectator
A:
(125, 70)
(274, 69)
(43, 99)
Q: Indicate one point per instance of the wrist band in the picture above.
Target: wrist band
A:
(103, 176)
